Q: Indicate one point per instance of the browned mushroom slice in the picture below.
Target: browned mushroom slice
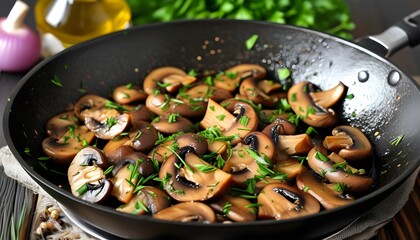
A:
(142, 137)
(202, 92)
(297, 144)
(247, 157)
(162, 151)
(237, 209)
(188, 212)
(349, 142)
(243, 120)
(86, 175)
(59, 124)
(63, 150)
(330, 198)
(338, 173)
(282, 201)
(249, 89)
(149, 200)
(172, 123)
(186, 177)
(231, 78)
(279, 127)
(139, 113)
(303, 104)
(330, 97)
(168, 78)
(88, 105)
(109, 128)
(113, 146)
(126, 94)
(163, 104)
(126, 173)
(289, 166)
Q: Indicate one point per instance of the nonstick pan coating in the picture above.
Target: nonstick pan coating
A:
(382, 110)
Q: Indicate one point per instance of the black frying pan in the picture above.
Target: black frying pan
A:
(385, 107)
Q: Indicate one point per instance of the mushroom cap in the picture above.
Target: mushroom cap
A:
(189, 178)
(302, 104)
(109, 128)
(59, 124)
(149, 200)
(234, 208)
(321, 164)
(168, 125)
(309, 181)
(174, 77)
(282, 201)
(87, 105)
(349, 142)
(86, 175)
(188, 212)
(127, 94)
(63, 150)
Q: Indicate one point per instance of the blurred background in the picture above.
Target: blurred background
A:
(349, 19)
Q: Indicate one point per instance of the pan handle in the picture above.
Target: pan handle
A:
(403, 33)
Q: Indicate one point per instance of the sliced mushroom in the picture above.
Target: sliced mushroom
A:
(289, 166)
(236, 209)
(249, 89)
(297, 144)
(169, 78)
(163, 104)
(349, 142)
(328, 197)
(243, 120)
(86, 175)
(148, 201)
(320, 162)
(88, 105)
(188, 212)
(279, 127)
(330, 97)
(202, 92)
(172, 123)
(126, 173)
(63, 150)
(109, 128)
(142, 137)
(126, 94)
(231, 78)
(139, 113)
(247, 157)
(113, 147)
(59, 124)
(282, 201)
(162, 151)
(304, 105)
(186, 177)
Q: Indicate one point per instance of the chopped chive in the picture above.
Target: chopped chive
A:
(250, 42)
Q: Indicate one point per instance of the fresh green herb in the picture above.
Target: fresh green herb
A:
(350, 96)
(250, 42)
(311, 130)
(139, 206)
(56, 81)
(205, 168)
(332, 16)
(113, 105)
(109, 169)
(110, 122)
(45, 158)
(82, 189)
(396, 141)
(340, 187)
(283, 73)
(172, 117)
(226, 208)
(321, 157)
(221, 117)
(244, 120)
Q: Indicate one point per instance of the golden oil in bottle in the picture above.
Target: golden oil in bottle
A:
(63, 23)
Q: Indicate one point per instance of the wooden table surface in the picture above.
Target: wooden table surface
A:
(371, 17)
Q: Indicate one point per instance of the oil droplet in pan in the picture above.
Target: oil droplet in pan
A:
(394, 77)
(363, 76)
